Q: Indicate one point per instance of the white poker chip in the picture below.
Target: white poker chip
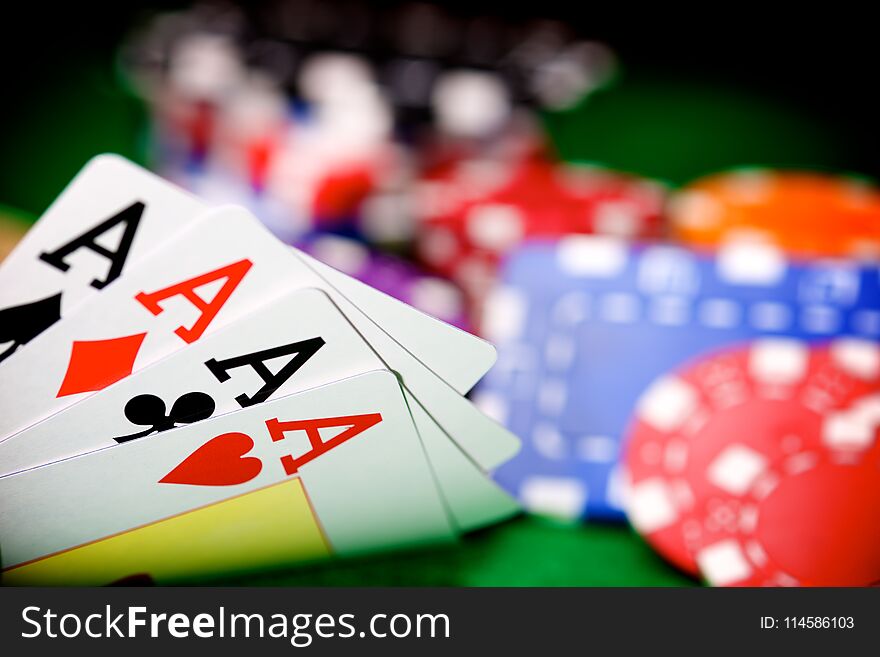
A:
(205, 66)
(332, 77)
(470, 104)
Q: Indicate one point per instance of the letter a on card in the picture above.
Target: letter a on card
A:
(233, 274)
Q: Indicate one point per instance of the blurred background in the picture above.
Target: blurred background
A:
(447, 153)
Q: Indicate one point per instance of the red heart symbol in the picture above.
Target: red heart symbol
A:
(219, 462)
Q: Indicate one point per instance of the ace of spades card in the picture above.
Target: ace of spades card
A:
(110, 216)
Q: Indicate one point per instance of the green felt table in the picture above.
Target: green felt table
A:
(672, 131)
(525, 551)
(676, 129)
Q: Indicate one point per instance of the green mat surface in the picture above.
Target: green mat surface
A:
(527, 551)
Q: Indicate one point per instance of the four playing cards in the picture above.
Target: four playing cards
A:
(183, 394)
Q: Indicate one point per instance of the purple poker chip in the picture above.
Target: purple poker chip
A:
(391, 275)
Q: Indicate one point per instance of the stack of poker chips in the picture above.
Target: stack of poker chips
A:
(723, 400)
(322, 131)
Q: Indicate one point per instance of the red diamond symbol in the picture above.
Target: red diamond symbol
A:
(95, 364)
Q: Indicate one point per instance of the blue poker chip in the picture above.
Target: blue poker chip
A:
(584, 324)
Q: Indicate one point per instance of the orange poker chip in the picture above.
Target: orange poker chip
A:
(807, 214)
(709, 441)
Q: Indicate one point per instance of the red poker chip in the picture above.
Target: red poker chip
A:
(809, 519)
(489, 207)
(475, 211)
(705, 431)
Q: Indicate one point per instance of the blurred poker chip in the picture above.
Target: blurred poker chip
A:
(470, 104)
(330, 160)
(333, 77)
(249, 130)
(570, 75)
(807, 519)
(806, 214)
(329, 116)
(475, 211)
(760, 465)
